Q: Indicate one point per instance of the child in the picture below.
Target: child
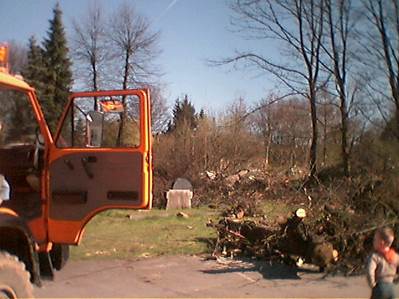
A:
(382, 265)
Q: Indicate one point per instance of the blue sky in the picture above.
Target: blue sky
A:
(192, 31)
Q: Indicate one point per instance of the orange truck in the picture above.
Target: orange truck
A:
(51, 185)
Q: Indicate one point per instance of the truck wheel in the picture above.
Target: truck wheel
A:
(14, 279)
(59, 256)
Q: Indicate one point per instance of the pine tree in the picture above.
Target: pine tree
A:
(58, 79)
(183, 113)
(21, 117)
(21, 124)
(202, 114)
(34, 71)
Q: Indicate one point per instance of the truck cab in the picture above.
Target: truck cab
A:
(99, 158)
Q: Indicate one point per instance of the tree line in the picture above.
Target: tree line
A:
(337, 102)
(342, 51)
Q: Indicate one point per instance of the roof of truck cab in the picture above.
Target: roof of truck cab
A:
(13, 82)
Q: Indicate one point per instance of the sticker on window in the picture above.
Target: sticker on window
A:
(112, 106)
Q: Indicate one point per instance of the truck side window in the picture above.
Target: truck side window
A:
(17, 121)
(101, 122)
(19, 154)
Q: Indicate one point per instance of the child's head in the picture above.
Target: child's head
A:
(383, 238)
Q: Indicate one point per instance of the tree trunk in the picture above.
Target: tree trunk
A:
(324, 140)
(397, 122)
(268, 143)
(313, 145)
(124, 87)
(95, 87)
(344, 137)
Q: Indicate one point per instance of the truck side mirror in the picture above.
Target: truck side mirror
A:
(94, 128)
(39, 137)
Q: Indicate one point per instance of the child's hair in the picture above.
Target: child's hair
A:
(386, 234)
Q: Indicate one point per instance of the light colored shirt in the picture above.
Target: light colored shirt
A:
(379, 269)
(4, 188)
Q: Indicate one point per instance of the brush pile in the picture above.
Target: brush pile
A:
(332, 229)
(287, 239)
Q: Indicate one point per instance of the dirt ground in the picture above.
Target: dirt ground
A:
(185, 276)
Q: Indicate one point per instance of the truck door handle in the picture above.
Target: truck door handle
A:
(85, 164)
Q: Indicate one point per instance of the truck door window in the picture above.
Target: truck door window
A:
(20, 154)
(101, 122)
(17, 121)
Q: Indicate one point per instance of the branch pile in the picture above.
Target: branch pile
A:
(334, 232)
(288, 239)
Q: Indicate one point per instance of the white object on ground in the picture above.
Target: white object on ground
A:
(179, 199)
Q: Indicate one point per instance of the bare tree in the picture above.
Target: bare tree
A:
(135, 44)
(298, 26)
(89, 47)
(17, 57)
(264, 123)
(341, 19)
(284, 130)
(160, 115)
(329, 116)
(383, 45)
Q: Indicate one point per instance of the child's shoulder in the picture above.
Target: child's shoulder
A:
(392, 257)
(375, 255)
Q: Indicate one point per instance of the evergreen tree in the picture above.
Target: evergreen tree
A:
(58, 77)
(183, 113)
(22, 123)
(21, 120)
(34, 71)
(202, 114)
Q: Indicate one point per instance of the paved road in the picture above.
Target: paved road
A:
(184, 276)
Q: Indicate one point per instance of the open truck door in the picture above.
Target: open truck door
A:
(101, 159)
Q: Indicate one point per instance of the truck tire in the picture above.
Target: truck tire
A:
(59, 256)
(14, 279)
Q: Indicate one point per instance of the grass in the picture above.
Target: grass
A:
(112, 235)
(148, 233)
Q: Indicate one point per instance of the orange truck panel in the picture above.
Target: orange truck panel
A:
(47, 229)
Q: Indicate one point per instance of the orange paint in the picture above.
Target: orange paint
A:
(45, 230)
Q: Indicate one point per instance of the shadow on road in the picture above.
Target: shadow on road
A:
(269, 270)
